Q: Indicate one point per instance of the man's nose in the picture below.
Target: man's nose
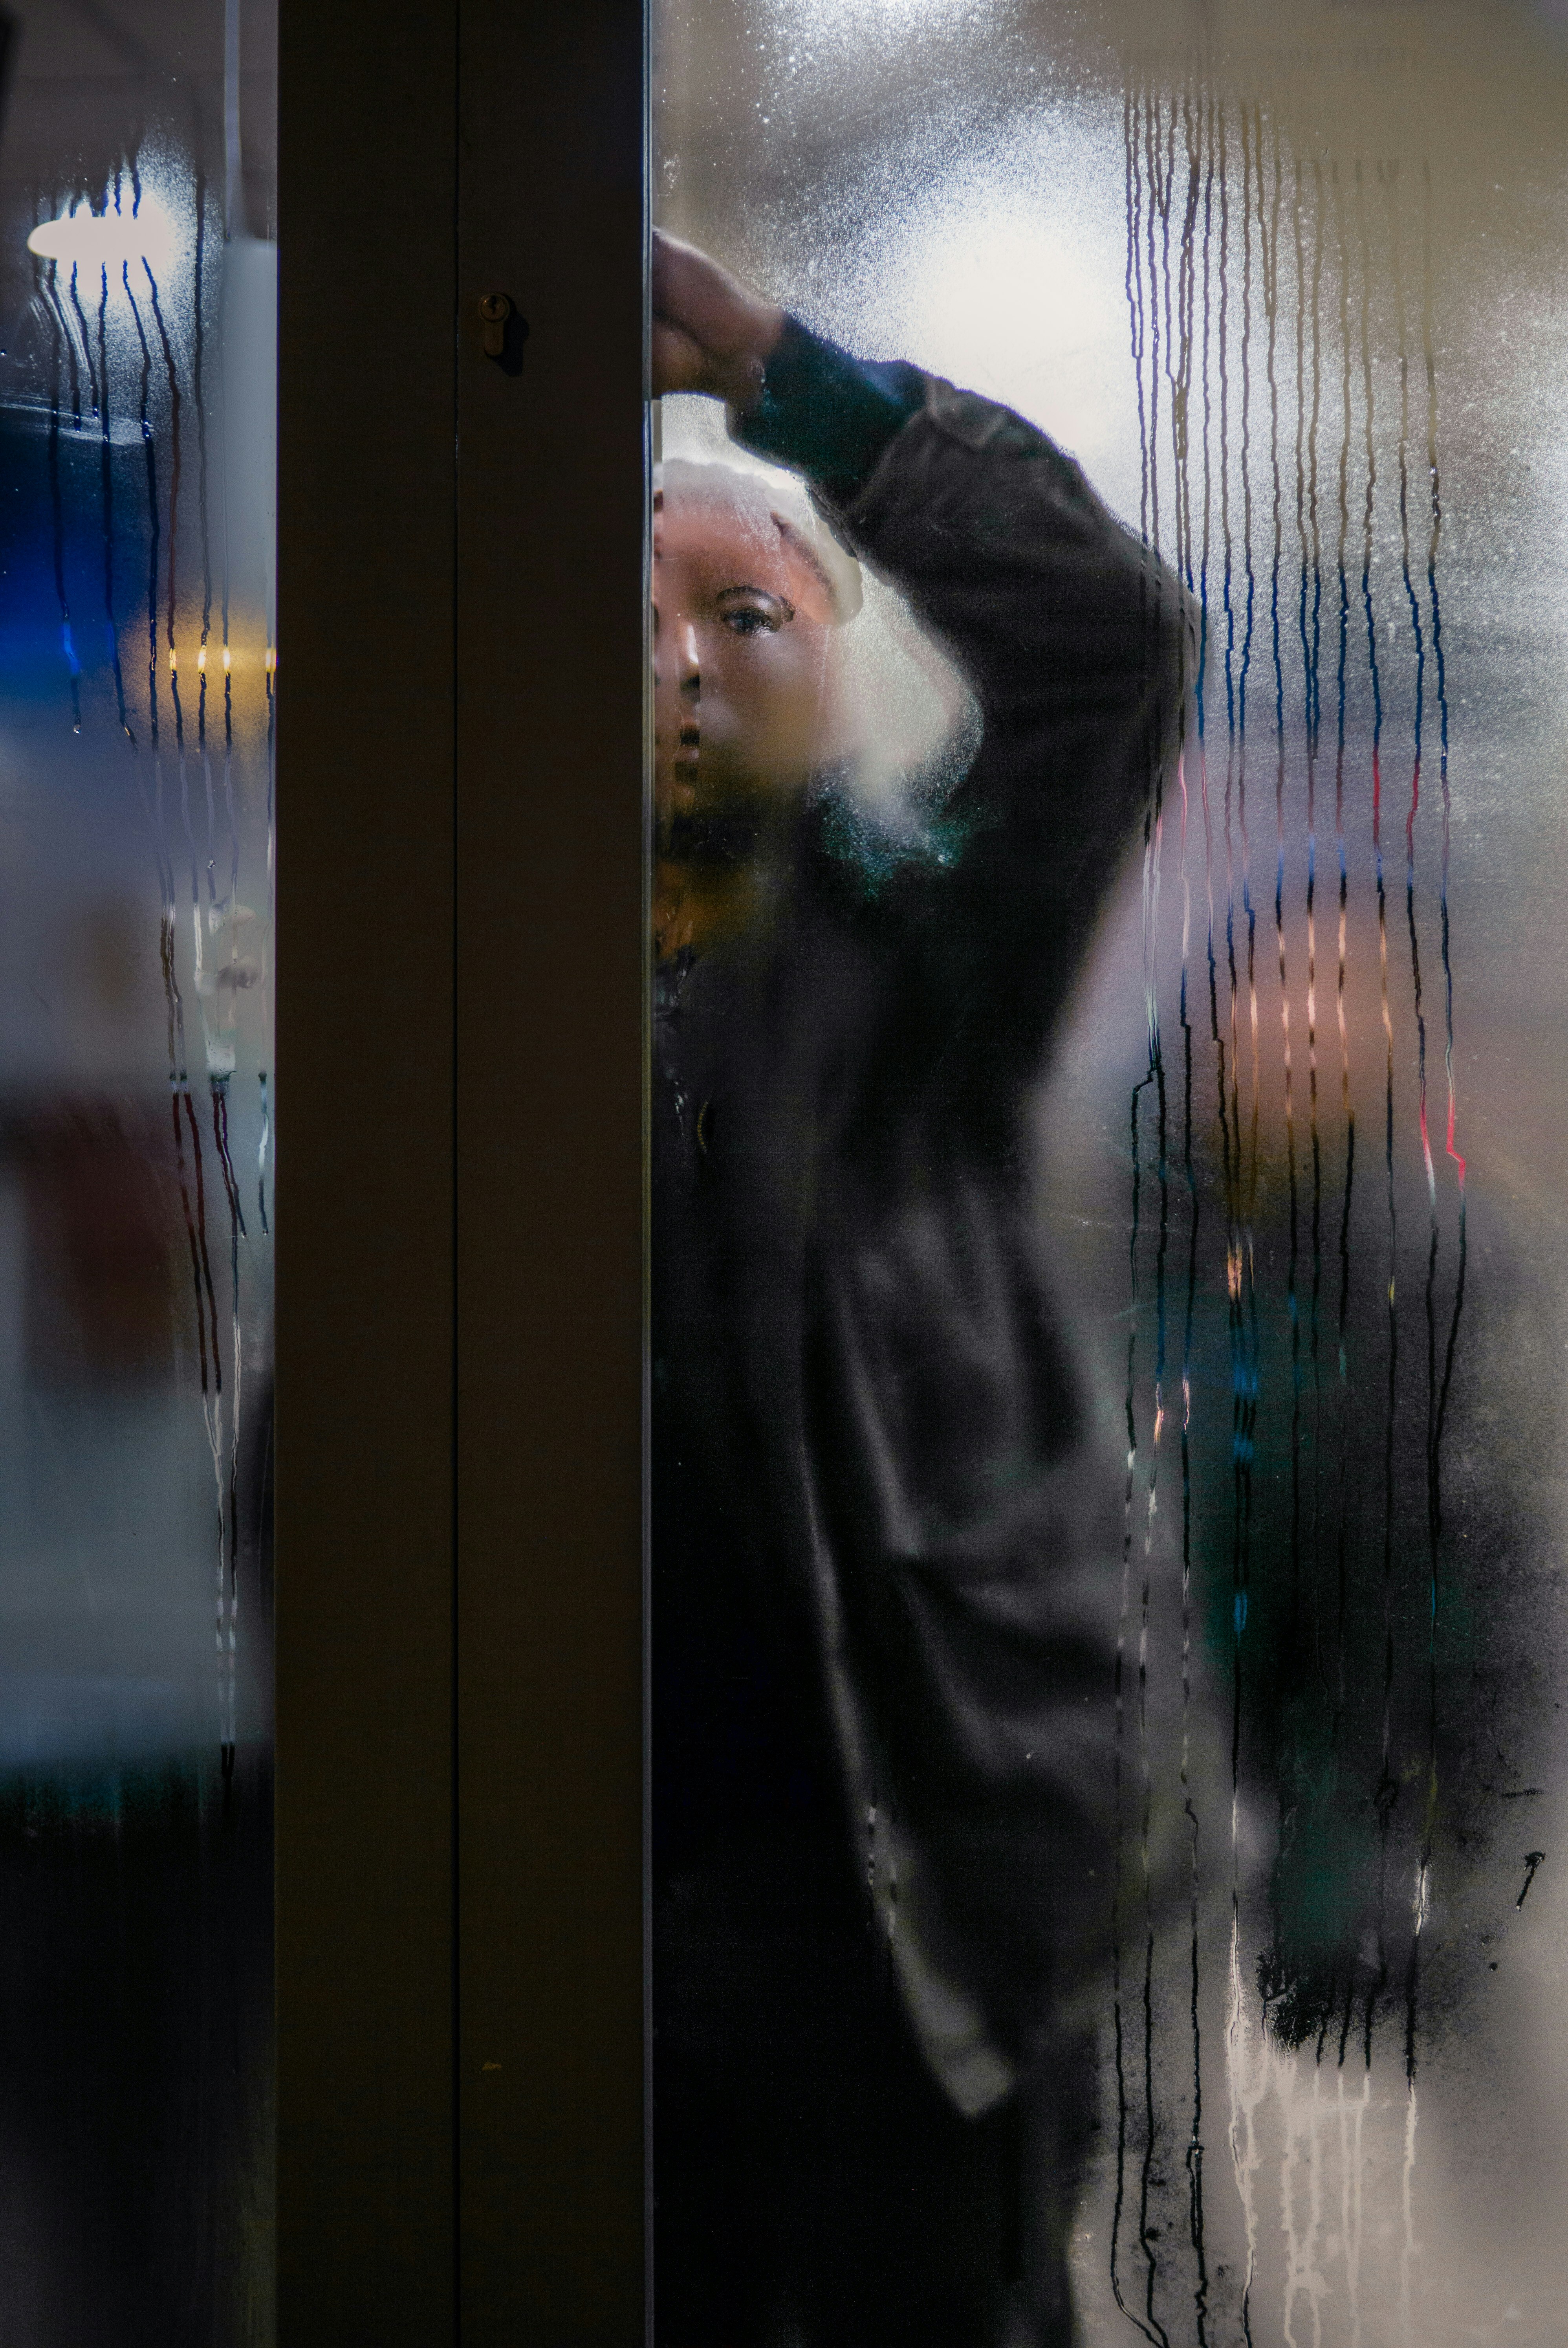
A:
(687, 669)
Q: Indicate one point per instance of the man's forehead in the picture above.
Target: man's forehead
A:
(720, 529)
(709, 525)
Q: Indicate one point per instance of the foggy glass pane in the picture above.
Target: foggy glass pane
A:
(1109, 1270)
(138, 298)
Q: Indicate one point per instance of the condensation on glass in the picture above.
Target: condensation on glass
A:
(1289, 284)
(137, 299)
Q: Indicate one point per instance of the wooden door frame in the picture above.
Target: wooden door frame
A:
(461, 972)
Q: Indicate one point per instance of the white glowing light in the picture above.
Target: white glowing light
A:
(1008, 290)
(1012, 292)
(1005, 271)
(106, 239)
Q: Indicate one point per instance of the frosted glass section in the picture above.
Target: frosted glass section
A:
(137, 301)
(1289, 287)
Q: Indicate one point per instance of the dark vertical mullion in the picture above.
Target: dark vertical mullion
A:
(456, 1759)
(549, 1124)
(365, 1080)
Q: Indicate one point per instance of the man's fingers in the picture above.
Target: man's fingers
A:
(665, 269)
(693, 291)
(678, 364)
(715, 313)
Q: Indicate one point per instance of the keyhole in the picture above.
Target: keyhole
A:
(495, 309)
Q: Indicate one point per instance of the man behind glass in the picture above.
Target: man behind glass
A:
(886, 1537)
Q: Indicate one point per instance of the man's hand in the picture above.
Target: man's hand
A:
(711, 333)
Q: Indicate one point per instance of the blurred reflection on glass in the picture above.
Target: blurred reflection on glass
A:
(1291, 295)
(137, 290)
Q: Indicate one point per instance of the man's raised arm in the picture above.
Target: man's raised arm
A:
(1074, 636)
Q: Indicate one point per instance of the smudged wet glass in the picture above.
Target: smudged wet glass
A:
(1292, 293)
(136, 670)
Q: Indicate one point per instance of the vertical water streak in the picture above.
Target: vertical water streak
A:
(203, 517)
(1387, 1789)
(1347, 1105)
(219, 1087)
(57, 497)
(1247, 1390)
(1133, 286)
(1311, 649)
(1451, 1146)
(176, 405)
(1301, 2121)
(232, 898)
(270, 679)
(193, 1210)
(1434, 1463)
(86, 359)
(1229, 1105)
(1351, 2174)
(175, 402)
(1294, 2262)
(1408, 2245)
(1246, 2067)
(217, 1078)
(262, 1154)
(1269, 256)
(1133, 109)
(1160, 152)
(1229, 1099)
(1200, 150)
(1419, 1901)
(1251, 1392)
(233, 207)
(67, 344)
(1148, 2330)
(1243, 2087)
(1154, 212)
(68, 350)
(1227, 1087)
(106, 460)
(154, 517)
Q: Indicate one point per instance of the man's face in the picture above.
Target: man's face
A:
(741, 623)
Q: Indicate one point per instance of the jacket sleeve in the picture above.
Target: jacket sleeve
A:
(1073, 636)
(968, 1520)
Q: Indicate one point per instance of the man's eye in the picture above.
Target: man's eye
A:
(746, 620)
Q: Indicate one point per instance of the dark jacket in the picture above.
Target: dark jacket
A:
(886, 1542)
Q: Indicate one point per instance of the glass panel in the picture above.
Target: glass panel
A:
(137, 286)
(1108, 1266)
